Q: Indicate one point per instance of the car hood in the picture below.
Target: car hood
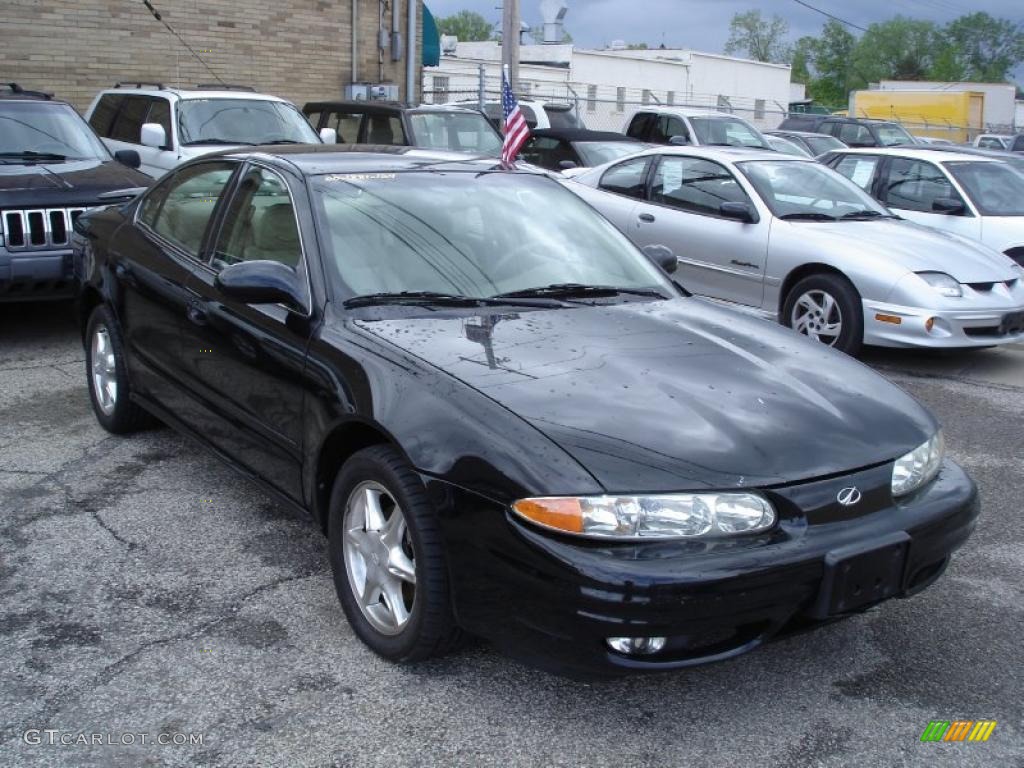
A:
(71, 183)
(914, 246)
(669, 395)
(1003, 232)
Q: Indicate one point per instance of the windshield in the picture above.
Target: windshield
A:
(796, 189)
(45, 128)
(495, 233)
(994, 188)
(727, 131)
(595, 153)
(242, 121)
(785, 146)
(821, 144)
(457, 131)
(890, 134)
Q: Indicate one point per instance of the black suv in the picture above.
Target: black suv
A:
(852, 131)
(52, 167)
(456, 129)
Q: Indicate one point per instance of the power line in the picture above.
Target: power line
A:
(158, 17)
(826, 13)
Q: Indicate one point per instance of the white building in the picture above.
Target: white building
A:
(1000, 99)
(609, 85)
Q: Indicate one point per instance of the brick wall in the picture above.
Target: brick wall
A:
(296, 49)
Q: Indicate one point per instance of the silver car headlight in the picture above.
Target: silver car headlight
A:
(918, 467)
(943, 284)
(664, 516)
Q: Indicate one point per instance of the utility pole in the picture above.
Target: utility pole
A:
(511, 22)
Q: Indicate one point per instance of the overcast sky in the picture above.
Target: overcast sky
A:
(704, 24)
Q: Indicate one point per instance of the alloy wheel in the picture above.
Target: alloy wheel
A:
(379, 557)
(104, 370)
(816, 314)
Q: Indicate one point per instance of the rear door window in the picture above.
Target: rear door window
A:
(855, 135)
(626, 178)
(384, 129)
(102, 117)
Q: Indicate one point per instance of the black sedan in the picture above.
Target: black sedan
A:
(507, 420)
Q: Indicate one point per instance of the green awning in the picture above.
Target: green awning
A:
(431, 40)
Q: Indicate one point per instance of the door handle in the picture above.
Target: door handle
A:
(648, 217)
(197, 314)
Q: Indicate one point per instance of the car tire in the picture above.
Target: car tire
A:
(818, 302)
(109, 384)
(369, 549)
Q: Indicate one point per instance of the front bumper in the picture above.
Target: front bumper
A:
(953, 329)
(35, 275)
(552, 602)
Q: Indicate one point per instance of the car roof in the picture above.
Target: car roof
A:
(316, 159)
(385, 106)
(14, 92)
(724, 154)
(810, 134)
(664, 109)
(924, 153)
(582, 134)
(191, 93)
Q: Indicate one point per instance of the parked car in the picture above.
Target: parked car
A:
(795, 241)
(455, 129)
(681, 125)
(168, 126)
(1013, 159)
(816, 144)
(558, 451)
(993, 141)
(539, 115)
(52, 167)
(853, 132)
(976, 196)
(570, 149)
(1018, 143)
(931, 141)
(785, 146)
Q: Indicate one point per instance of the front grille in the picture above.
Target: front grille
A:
(38, 229)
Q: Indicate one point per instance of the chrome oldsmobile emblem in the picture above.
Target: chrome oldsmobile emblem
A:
(848, 496)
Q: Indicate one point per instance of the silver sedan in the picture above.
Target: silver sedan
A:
(792, 240)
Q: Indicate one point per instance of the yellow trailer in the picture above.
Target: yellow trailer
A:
(953, 115)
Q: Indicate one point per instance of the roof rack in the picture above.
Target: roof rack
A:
(224, 87)
(138, 84)
(17, 90)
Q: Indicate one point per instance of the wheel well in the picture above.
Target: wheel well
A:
(87, 302)
(1017, 254)
(798, 274)
(337, 448)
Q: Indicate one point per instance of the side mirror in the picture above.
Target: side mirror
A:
(663, 256)
(948, 205)
(738, 212)
(128, 157)
(329, 135)
(679, 141)
(262, 282)
(566, 165)
(154, 135)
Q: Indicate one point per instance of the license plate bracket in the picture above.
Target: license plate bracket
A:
(860, 575)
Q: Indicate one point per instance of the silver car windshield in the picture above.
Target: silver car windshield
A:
(807, 190)
(726, 131)
(242, 121)
(455, 131)
(995, 188)
(470, 234)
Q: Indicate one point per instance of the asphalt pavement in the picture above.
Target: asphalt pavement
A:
(148, 593)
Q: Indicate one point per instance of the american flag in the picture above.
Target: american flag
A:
(516, 129)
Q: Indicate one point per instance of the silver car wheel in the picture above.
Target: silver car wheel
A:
(379, 558)
(816, 314)
(104, 370)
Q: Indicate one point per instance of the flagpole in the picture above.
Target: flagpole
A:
(511, 23)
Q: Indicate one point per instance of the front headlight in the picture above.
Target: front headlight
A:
(918, 467)
(943, 284)
(668, 516)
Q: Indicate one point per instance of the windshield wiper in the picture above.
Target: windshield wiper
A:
(28, 154)
(427, 298)
(807, 216)
(219, 141)
(864, 215)
(283, 141)
(578, 290)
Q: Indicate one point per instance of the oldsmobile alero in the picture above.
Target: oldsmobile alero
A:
(508, 420)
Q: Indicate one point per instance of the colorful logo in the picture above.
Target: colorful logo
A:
(958, 730)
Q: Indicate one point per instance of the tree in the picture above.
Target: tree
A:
(467, 26)
(829, 62)
(537, 33)
(636, 47)
(759, 38)
(982, 49)
(898, 49)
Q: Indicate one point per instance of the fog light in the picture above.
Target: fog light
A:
(929, 324)
(636, 646)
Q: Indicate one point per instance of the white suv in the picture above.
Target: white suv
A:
(168, 126)
(539, 115)
(699, 127)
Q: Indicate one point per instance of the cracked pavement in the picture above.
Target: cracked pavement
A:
(146, 588)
